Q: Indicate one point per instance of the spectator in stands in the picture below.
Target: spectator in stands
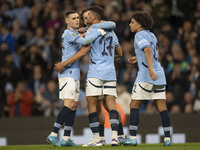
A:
(197, 11)
(54, 20)
(175, 109)
(6, 13)
(36, 79)
(197, 102)
(171, 101)
(20, 101)
(50, 103)
(193, 79)
(5, 36)
(160, 12)
(38, 38)
(21, 12)
(16, 30)
(188, 102)
(31, 59)
(150, 108)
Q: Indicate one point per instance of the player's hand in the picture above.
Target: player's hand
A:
(153, 75)
(59, 67)
(103, 33)
(82, 30)
(132, 60)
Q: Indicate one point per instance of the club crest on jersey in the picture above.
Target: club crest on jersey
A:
(74, 34)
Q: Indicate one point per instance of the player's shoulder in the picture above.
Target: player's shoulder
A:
(138, 36)
(68, 32)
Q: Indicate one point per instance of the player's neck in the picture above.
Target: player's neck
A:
(139, 29)
(71, 28)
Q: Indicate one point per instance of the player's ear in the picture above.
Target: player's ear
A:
(66, 20)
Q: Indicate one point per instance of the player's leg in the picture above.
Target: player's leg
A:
(93, 121)
(109, 91)
(101, 120)
(141, 91)
(93, 91)
(134, 119)
(114, 118)
(121, 136)
(159, 95)
(72, 105)
(60, 119)
(66, 86)
(69, 122)
(164, 114)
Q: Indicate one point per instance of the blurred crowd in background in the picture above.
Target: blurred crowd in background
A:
(30, 45)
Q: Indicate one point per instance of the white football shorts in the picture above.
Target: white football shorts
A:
(148, 91)
(97, 87)
(69, 88)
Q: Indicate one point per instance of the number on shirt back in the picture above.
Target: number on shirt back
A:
(103, 41)
(155, 50)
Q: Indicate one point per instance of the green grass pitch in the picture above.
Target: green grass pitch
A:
(186, 146)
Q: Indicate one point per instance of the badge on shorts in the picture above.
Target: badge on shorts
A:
(72, 92)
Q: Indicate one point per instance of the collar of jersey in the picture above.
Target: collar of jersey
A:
(73, 31)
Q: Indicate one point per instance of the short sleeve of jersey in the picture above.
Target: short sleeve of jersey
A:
(71, 36)
(115, 39)
(141, 41)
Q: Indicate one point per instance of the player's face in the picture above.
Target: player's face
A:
(134, 25)
(88, 18)
(73, 21)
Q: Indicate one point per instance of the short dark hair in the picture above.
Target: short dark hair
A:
(144, 19)
(69, 12)
(99, 11)
(82, 12)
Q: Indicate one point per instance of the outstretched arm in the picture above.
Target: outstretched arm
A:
(87, 40)
(59, 67)
(149, 58)
(107, 25)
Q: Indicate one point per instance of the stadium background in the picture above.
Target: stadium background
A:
(30, 37)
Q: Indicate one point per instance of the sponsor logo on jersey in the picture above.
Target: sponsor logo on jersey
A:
(74, 34)
(140, 42)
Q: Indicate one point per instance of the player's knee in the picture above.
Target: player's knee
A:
(135, 104)
(75, 106)
(161, 105)
(162, 108)
(105, 106)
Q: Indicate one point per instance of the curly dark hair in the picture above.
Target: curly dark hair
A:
(144, 19)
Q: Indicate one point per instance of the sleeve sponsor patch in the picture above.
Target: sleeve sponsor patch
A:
(140, 42)
(74, 34)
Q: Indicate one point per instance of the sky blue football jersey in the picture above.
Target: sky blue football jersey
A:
(102, 53)
(71, 43)
(143, 39)
(69, 48)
